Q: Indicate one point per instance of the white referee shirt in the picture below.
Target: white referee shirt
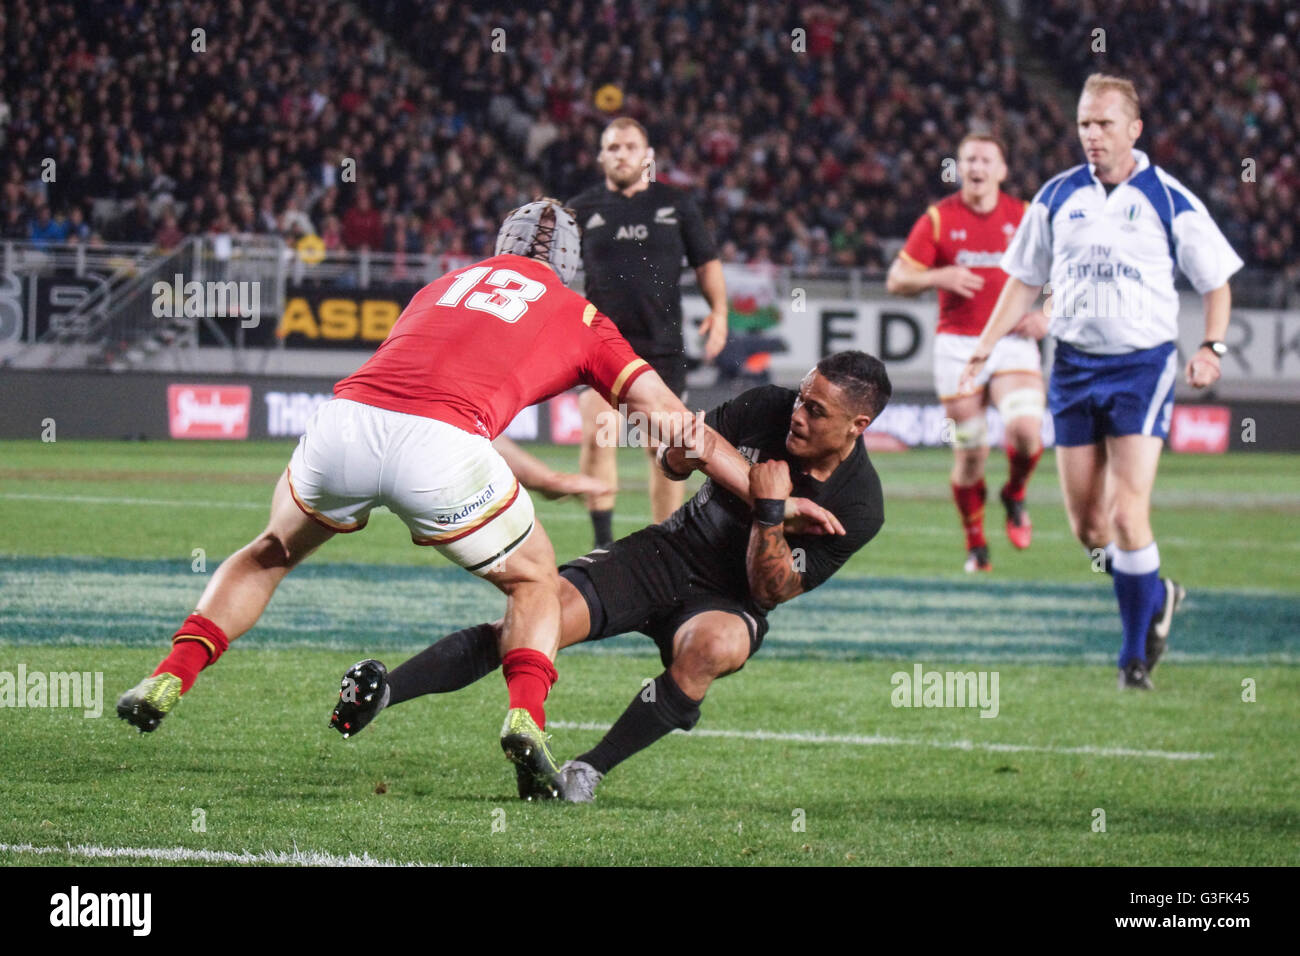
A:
(1111, 259)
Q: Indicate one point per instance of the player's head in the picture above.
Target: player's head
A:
(837, 401)
(625, 152)
(1110, 120)
(544, 229)
(981, 165)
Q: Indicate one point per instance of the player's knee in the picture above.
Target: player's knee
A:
(968, 466)
(270, 551)
(713, 652)
(970, 436)
(1130, 520)
(1023, 435)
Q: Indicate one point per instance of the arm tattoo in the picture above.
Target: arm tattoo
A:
(770, 567)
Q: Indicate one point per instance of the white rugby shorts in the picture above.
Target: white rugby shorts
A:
(452, 489)
(1013, 353)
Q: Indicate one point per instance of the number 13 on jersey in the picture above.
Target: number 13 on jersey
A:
(509, 300)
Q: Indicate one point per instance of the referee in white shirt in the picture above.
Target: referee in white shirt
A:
(1108, 235)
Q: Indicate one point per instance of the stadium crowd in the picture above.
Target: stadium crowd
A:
(803, 148)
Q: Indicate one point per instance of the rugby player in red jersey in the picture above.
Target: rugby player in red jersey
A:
(955, 248)
(412, 430)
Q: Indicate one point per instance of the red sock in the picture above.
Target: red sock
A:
(529, 676)
(970, 505)
(196, 644)
(1022, 466)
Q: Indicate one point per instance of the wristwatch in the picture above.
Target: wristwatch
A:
(1218, 348)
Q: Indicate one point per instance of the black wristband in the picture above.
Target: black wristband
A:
(769, 511)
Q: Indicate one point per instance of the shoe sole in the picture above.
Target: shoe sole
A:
(353, 710)
(534, 780)
(143, 716)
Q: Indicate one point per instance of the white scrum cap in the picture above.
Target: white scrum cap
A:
(524, 229)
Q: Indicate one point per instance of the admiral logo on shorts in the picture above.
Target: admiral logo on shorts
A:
(467, 510)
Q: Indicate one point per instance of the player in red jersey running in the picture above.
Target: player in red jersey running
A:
(955, 248)
(412, 430)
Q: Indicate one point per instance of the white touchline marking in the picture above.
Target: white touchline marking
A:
(293, 857)
(879, 741)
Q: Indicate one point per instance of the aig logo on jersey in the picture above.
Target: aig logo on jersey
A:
(638, 232)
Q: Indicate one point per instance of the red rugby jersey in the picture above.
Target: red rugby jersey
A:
(481, 343)
(952, 234)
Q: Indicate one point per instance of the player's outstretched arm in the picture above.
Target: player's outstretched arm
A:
(769, 564)
(692, 444)
(1014, 301)
(536, 475)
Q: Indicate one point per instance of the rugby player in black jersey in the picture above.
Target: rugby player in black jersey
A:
(700, 584)
(635, 233)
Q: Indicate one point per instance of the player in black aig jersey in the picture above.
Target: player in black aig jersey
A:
(701, 584)
(635, 232)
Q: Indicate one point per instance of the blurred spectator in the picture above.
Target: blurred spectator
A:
(363, 226)
(169, 233)
(801, 156)
(44, 230)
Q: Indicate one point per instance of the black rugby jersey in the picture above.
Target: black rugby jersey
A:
(632, 249)
(711, 531)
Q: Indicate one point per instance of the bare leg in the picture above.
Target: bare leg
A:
(1132, 461)
(242, 586)
(1084, 485)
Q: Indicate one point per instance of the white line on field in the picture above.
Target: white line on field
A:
(175, 854)
(879, 741)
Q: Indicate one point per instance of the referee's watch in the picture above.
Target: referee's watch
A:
(1217, 347)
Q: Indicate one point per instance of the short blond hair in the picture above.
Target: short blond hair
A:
(1100, 83)
(626, 122)
(979, 137)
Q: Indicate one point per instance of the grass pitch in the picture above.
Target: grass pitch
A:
(801, 758)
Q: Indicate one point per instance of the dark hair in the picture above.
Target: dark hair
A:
(862, 377)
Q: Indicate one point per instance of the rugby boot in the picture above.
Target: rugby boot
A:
(1020, 529)
(1158, 632)
(580, 780)
(148, 702)
(363, 693)
(524, 743)
(977, 559)
(1133, 676)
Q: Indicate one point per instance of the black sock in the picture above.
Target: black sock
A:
(602, 523)
(454, 662)
(644, 722)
